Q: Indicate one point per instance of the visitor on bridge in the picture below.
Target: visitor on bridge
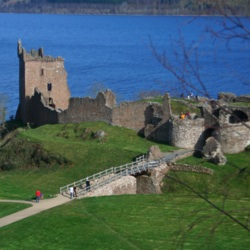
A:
(75, 194)
(71, 191)
(87, 184)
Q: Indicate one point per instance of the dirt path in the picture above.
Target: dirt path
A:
(35, 209)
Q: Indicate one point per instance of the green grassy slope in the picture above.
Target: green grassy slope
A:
(175, 220)
(87, 156)
(7, 208)
(127, 222)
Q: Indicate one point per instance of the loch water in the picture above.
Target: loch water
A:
(115, 52)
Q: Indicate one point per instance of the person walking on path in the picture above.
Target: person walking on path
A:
(38, 194)
(87, 185)
(71, 191)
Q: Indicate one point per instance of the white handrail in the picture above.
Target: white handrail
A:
(98, 176)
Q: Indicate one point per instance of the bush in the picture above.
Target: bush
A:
(8, 166)
(19, 153)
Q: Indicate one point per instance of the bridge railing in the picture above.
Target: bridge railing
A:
(125, 170)
(98, 179)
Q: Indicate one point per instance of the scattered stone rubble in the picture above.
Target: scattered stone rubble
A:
(212, 151)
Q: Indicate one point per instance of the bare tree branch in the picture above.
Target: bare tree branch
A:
(230, 216)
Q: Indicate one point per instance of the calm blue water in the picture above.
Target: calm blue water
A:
(114, 52)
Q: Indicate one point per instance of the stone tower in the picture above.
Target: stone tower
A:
(43, 74)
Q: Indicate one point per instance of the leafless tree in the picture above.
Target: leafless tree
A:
(185, 68)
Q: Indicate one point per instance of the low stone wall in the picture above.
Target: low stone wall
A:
(125, 185)
(191, 168)
(243, 98)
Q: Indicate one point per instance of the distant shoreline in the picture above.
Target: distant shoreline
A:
(174, 15)
(109, 9)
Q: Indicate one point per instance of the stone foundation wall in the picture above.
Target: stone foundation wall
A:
(125, 185)
(185, 133)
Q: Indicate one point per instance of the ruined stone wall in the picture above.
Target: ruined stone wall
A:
(210, 121)
(190, 168)
(185, 133)
(40, 113)
(246, 110)
(134, 115)
(234, 137)
(159, 133)
(166, 108)
(86, 110)
(45, 99)
(145, 185)
(125, 185)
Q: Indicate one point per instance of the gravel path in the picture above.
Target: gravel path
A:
(49, 203)
(35, 209)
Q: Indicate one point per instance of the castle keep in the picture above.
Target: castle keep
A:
(45, 99)
(44, 74)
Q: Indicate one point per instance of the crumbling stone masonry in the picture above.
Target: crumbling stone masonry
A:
(44, 74)
(45, 99)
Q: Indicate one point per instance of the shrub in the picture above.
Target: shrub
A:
(19, 153)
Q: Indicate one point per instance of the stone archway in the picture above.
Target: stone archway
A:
(204, 136)
(238, 116)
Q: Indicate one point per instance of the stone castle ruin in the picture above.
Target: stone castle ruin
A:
(45, 99)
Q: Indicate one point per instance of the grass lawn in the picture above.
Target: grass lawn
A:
(128, 222)
(231, 180)
(87, 156)
(176, 219)
(7, 208)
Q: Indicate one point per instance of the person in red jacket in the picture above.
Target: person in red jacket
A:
(38, 194)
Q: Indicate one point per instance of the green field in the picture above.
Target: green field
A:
(7, 208)
(176, 219)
